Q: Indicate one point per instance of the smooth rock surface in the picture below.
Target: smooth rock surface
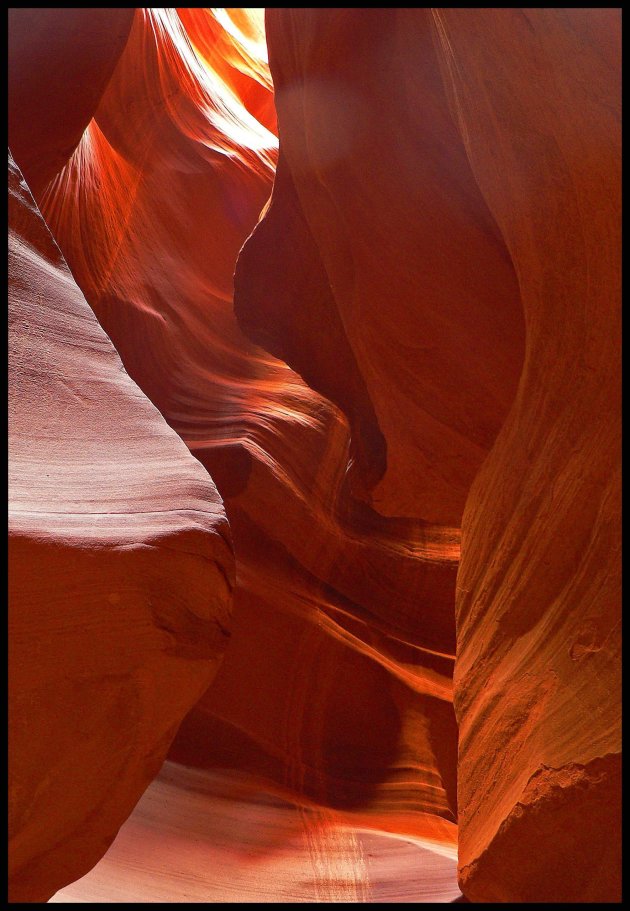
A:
(224, 837)
(434, 284)
(108, 513)
(395, 296)
(512, 204)
(59, 63)
(538, 690)
(338, 683)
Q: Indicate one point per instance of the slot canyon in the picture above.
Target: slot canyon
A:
(314, 455)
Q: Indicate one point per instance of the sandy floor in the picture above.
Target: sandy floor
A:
(199, 836)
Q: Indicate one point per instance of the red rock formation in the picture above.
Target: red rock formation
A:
(536, 95)
(446, 192)
(59, 64)
(323, 583)
(537, 640)
(390, 229)
(232, 43)
(219, 836)
(108, 513)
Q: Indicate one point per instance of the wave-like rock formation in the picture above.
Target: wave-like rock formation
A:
(219, 836)
(108, 514)
(60, 62)
(388, 230)
(420, 332)
(538, 607)
(538, 591)
(413, 248)
(338, 682)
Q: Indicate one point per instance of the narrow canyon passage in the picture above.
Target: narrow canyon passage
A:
(353, 262)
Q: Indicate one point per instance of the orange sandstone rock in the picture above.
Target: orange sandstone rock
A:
(221, 836)
(435, 284)
(391, 291)
(536, 94)
(513, 136)
(151, 212)
(121, 572)
(60, 61)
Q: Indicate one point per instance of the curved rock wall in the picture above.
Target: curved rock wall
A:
(433, 285)
(515, 113)
(316, 571)
(59, 63)
(375, 187)
(537, 96)
(108, 514)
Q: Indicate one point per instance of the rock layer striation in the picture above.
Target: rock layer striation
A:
(332, 688)
(421, 336)
(108, 515)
